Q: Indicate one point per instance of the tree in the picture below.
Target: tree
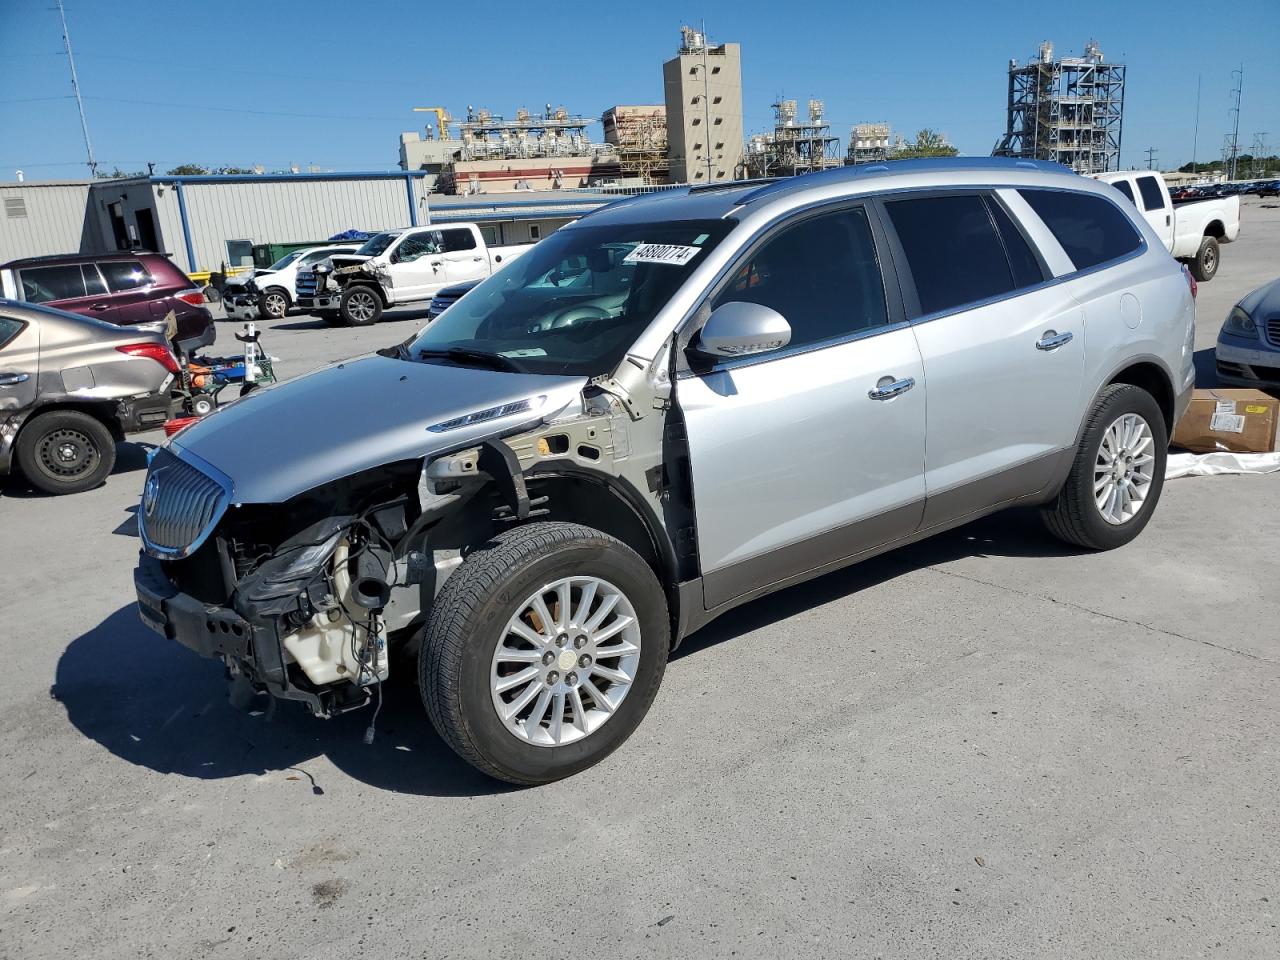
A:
(118, 174)
(232, 171)
(928, 143)
(188, 170)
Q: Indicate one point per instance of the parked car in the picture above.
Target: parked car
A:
(125, 289)
(447, 297)
(268, 294)
(398, 267)
(1192, 232)
(739, 387)
(1248, 350)
(71, 387)
(1269, 188)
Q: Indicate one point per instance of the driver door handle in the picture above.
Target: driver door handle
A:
(99, 307)
(477, 259)
(1052, 340)
(887, 388)
(13, 379)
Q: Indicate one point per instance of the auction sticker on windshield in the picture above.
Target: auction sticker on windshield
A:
(673, 254)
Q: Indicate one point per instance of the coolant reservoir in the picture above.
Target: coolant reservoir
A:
(329, 647)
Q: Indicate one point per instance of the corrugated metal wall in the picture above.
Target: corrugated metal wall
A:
(275, 212)
(44, 218)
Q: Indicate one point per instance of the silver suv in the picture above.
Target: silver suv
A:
(675, 405)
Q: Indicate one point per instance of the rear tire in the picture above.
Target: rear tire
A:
(501, 582)
(1084, 513)
(65, 451)
(1205, 263)
(360, 306)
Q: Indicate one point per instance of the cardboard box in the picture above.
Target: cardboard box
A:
(1235, 421)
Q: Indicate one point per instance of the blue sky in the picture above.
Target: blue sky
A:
(333, 83)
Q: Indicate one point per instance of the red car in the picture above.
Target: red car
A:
(121, 288)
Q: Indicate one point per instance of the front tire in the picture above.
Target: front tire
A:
(360, 306)
(1118, 472)
(1205, 263)
(273, 304)
(544, 651)
(65, 451)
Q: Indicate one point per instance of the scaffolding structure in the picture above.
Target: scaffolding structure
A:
(489, 136)
(639, 135)
(869, 143)
(794, 146)
(1068, 110)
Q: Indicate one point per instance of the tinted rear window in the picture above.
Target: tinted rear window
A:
(1092, 230)
(952, 248)
(122, 275)
(9, 329)
(45, 284)
(455, 240)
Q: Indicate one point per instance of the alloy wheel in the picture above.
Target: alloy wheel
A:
(360, 307)
(1124, 469)
(565, 661)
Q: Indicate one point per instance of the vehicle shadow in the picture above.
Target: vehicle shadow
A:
(1012, 533)
(153, 703)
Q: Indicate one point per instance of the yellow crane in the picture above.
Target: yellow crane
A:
(442, 119)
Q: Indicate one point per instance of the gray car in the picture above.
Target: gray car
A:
(675, 405)
(71, 387)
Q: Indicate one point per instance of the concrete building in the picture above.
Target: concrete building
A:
(703, 89)
(207, 221)
(428, 154)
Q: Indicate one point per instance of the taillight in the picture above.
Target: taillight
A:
(152, 351)
(192, 297)
(1191, 281)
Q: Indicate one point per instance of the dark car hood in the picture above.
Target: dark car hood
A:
(349, 417)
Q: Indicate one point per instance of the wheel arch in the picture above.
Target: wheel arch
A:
(1215, 229)
(611, 505)
(288, 296)
(104, 411)
(1150, 375)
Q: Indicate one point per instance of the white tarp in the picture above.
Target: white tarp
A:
(1219, 464)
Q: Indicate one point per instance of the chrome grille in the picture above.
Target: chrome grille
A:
(180, 506)
(305, 284)
(1273, 331)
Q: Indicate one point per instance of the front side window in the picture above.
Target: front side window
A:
(1091, 229)
(576, 301)
(417, 245)
(124, 275)
(1123, 187)
(821, 274)
(45, 284)
(1152, 195)
(952, 248)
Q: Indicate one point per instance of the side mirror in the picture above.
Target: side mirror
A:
(739, 329)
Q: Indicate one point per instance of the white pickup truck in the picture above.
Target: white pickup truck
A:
(1191, 231)
(398, 267)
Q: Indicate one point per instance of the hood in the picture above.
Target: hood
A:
(1265, 301)
(352, 416)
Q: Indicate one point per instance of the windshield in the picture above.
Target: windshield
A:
(377, 244)
(284, 261)
(574, 303)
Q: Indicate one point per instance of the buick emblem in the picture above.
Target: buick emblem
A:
(151, 495)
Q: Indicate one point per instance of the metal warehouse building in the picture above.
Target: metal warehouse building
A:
(208, 221)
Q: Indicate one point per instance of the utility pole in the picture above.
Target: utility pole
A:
(1235, 128)
(1151, 157)
(75, 86)
(1259, 150)
(1195, 137)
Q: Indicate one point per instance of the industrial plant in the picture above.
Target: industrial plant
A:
(1069, 110)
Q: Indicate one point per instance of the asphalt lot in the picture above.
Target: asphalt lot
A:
(985, 745)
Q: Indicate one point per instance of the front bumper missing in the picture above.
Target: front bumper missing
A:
(252, 650)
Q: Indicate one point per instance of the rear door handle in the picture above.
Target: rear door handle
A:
(887, 388)
(477, 259)
(1052, 340)
(13, 379)
(99, 307)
